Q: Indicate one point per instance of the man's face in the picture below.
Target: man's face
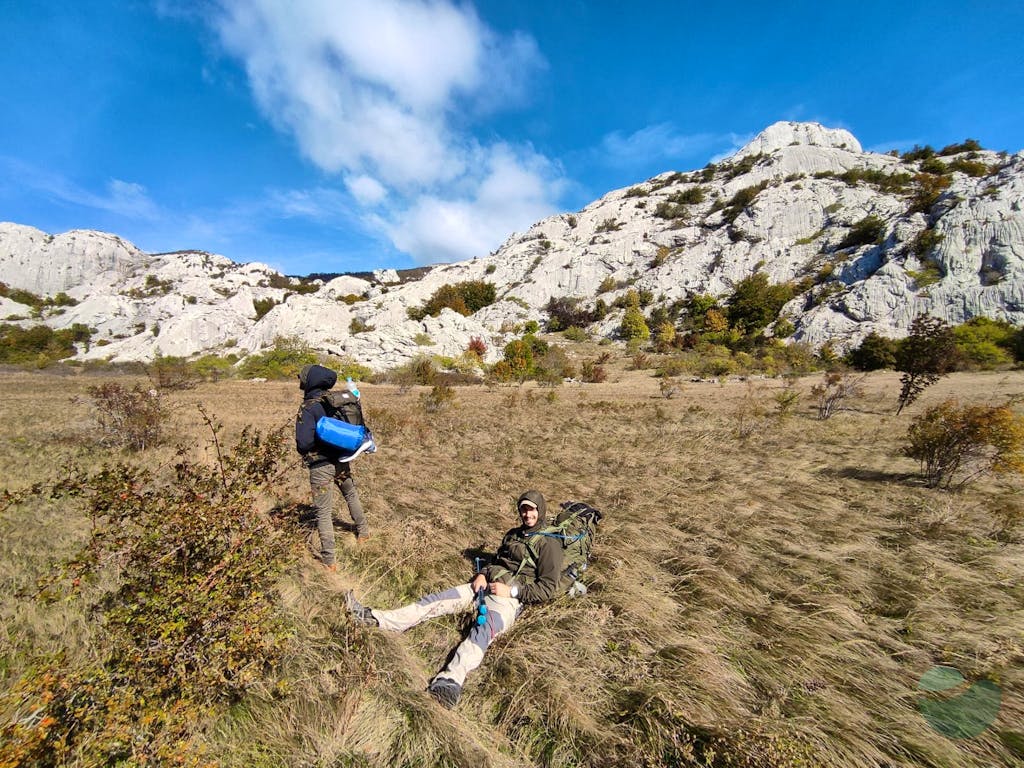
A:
(528, 514)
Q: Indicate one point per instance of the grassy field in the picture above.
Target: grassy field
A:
(767, 590)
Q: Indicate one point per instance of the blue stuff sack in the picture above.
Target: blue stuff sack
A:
(350, 438)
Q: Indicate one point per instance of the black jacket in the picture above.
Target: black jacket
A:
(315, 381)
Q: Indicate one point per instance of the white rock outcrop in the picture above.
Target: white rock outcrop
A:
(785, 204)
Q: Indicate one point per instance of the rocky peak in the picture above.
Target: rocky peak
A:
(786, 134)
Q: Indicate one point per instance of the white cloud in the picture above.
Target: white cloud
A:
(515, 191)
(123, 198)
(655, 142)
(317, 204)
(372, 91)
(366, 190)
(126, 199)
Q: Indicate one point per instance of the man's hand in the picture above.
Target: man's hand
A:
(479, 582)
(500, 590)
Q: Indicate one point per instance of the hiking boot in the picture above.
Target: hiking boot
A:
(362, 538)
(333, 567)
(359, 612)
(446, 691)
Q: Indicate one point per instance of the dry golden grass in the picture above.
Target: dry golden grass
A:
(766, 590)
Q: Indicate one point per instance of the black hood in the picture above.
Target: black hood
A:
(316, 377)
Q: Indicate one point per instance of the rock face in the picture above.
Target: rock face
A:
(945, 237)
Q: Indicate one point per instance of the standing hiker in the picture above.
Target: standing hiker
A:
(326, 468)
(526, 569)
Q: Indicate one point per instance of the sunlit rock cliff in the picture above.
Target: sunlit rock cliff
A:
(869, 241)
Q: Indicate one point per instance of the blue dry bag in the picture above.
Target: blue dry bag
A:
(352, 439)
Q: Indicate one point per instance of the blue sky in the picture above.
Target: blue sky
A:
(335, 135)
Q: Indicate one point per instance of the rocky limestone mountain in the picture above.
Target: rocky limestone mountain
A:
(869, 240)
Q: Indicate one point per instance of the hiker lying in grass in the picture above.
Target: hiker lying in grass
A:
(525, 570)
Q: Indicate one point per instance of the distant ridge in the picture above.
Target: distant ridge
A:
(946, 238)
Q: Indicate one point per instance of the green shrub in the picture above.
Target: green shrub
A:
(40, 345)
(975, 168)
(21, 296)
(918, 153)
(783, 328)
(868, 231)
(741, 200)
(874, 353)
(634, 326)
(423, 339)
(283, 361)
(929, 190)
(969, 145)
(609, 225)
(984, 343)
(262, 306)
(934, 166)
(593, 372)
(755, 303)
(465, 298)
(518, 356)
(926, 241)
(930, 273)
(886, 182)
(359, 325)
(171, 373)
(715, 360)
(690, 196)
(670, 211)
(213, 367)
(575, 333)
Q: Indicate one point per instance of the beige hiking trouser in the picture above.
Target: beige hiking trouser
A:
(501, 615)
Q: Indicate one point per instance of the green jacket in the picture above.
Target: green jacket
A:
(530, 562)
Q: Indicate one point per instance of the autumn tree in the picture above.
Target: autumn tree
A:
(928, 353)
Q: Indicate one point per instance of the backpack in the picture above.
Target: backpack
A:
(342, 426)
(344, 406)
(575, 527)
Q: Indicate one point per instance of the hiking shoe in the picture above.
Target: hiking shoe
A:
(445, 691)
(333, 567)
(359, 612)
(362, 538)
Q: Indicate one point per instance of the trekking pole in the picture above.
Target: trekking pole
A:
(481, 608)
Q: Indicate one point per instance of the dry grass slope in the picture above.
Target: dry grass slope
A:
(767, 591)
